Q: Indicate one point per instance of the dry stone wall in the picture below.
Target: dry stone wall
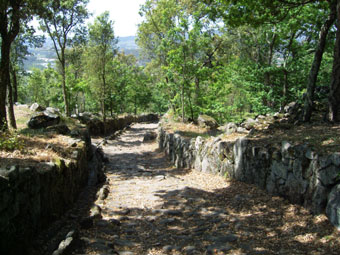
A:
(98, 127)
(32, 197)
(295, 172)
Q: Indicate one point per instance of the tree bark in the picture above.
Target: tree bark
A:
(63, 74)
(11, 114)
(182, 101)
(334, 94)
(4, 81)
(314, 71)
(14, 84)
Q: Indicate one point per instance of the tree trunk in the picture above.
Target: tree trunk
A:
(4, 81)
(182, 101)
(103, 95)
(11, 114)
(285, 86)
(63, 74)
(191, 109)
(334, 93)
(197, 99)
(135, 105)
(14, 84)
(313, 74)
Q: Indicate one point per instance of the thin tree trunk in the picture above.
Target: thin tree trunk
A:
(285, 86)
(182, 99)
(14, 84)
(11, 114)
(313, 74)
(197, 99)
(334, 94)
(135, 105)
(190, 105)
(63, 73)
(103, 95)
(4, 81)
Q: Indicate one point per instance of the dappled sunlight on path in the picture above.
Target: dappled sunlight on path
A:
(154, 208)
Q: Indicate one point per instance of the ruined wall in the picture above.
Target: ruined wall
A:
(294, 172)
(31, 197)
(97, 127)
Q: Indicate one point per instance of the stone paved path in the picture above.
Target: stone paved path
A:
(153, 208)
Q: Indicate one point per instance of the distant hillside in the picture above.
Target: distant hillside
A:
(42, 57)
(127, 43)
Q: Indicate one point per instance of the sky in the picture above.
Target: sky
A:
(124, 13)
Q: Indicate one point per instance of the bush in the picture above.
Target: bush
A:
(10, 141)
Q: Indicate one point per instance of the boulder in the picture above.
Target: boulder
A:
(52, 110)
(149, 136)
(241, 130)
(333, 206)
(249, 123)
(151, 117)
(61, 129)
(37, 107)
(231, 128)
(43, 120)
(292, 108)
(206, 121)
(84, 117)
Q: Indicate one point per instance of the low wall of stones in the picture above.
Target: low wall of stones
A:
(33, 197)
(296, 173)
(98, 127)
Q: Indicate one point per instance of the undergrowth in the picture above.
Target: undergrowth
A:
(10, 141)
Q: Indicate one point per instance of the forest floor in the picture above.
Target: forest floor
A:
(154, 208)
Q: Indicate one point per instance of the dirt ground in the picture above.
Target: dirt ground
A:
(154, 208)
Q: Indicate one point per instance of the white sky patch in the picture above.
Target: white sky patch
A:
(124, 13)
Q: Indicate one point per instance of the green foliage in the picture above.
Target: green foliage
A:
(10, 141)
(43, 87)
(227, 59)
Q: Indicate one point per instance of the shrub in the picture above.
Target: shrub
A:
(10, 141)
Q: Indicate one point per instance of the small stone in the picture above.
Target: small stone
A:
(201, 229)
(151, 218)
(123, 218)
(189, 249)
(75, 155)
(103, 193)
(167, 221)
(125, 253)
(114, 222)
(167, 248)
(336, 158)
(124, 243)
(64, 246)
(96, 212)
(212, 249)
(125, 211)
(223, 225)
(102, 223)
(129, 231)
(173, 213)
(149, 136)
(223, 239)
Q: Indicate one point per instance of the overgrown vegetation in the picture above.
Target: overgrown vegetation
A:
(10, 141)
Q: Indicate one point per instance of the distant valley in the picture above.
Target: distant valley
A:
(44, 56)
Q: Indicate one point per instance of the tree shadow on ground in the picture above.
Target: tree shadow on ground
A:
(239, 219)
(235, 220)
